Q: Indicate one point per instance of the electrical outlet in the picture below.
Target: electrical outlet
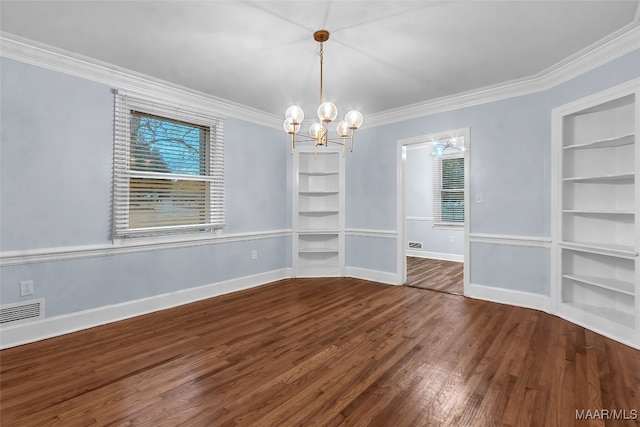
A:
(254, 254)
(26, 288)
(451, 240)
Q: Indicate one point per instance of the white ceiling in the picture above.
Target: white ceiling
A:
(381, 55)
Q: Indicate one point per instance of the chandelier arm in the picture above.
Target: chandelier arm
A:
(300, 138)
(339, 141)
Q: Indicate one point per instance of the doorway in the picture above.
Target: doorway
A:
(433, 211)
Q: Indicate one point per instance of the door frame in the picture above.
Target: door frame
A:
(401, 220)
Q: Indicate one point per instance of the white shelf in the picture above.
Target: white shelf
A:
(619, 141)
(318, 193)
(318, 260)
(602, 178)
(623, 251)
(318, 251)
(318, 231)
(319, 173)
(596, 282)
(318, 218)
(596, 212)
(615, 285)
(611, 314)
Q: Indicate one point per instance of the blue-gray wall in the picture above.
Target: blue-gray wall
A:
(419, 209)
(509, 158)
(56, 192)
(56, 188)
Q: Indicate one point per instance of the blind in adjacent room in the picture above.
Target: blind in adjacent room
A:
(168, 169)
(448, 190)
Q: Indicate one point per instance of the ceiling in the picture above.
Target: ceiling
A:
(381, 55)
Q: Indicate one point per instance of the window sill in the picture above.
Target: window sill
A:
(133, 241)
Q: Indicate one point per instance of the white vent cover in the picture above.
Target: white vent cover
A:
(415, 245)
(21, 312)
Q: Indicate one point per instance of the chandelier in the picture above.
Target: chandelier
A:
(327, 112)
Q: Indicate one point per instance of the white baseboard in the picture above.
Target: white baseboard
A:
(373, 275)
(511, 297)
(435, 255)
(11, 336)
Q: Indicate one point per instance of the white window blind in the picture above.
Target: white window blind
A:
(168, 169)
(448, 190)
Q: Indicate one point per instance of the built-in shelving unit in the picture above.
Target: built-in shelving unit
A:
(596, 232)
(318, 213)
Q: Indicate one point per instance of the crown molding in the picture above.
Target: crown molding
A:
(616, 45)
(48, 57)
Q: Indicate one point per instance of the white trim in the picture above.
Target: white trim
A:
(435, 255)
(509, 296)
(373, 275)
(64, 324)
(601, 97)
(506, 239)
(626, 336)
(300, 267)
(124, 246)
(420, 218)
(620, 43)
(586, 318)
(421, 145)
(387, 234)
(448, 226)
(55, 59)
(616, 45)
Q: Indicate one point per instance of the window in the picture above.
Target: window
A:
(448, 191)
(169, 170)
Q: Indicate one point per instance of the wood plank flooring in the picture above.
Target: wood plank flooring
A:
(324, 352)
(435, 275)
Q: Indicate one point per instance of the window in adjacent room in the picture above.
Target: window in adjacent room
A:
(169, 170)
(448, 191)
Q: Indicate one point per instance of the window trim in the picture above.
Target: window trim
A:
(125, 104)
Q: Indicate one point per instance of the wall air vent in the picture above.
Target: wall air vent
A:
(21, 312)
(415, 245)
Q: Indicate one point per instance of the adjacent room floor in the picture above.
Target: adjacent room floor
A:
(435, 275)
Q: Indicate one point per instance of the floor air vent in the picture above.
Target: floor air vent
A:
(13, 314)
(415, 245)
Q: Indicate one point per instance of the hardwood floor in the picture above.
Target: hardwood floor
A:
(435, 275)
(324, 352)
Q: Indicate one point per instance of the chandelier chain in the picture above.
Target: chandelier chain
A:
(321, 53)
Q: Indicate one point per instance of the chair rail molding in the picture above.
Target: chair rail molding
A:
(511, 240)
(31, 256)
